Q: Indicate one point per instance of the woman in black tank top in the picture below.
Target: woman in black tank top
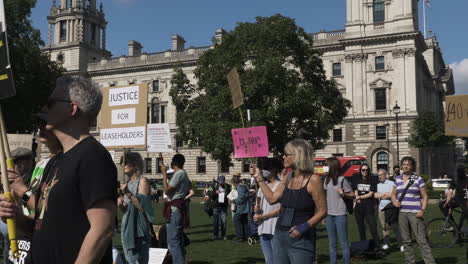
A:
(303, 205)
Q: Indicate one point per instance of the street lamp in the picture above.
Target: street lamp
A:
(396, 111)
(387, 127)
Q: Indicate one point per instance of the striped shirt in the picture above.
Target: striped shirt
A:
(412, 201)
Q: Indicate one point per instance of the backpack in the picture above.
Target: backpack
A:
(348, 202)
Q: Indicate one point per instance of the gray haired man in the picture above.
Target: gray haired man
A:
(75, 214)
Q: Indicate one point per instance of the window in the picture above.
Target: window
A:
(225, 166)
(63, 30)
(337, 154)
(381, 132)
(379, 11)
(337, 69)
(245, 166)
(158, 113)
(380, 99)
(93, 33)
(382, 160)
(158, 165)
(201, 164)
(379, 63)
(148, 165)
(337, 135)
(156, 86)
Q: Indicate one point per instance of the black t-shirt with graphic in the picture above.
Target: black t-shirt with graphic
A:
(364, 187)
(81, 177)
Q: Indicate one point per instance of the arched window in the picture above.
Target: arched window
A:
(379, 11)
(382, 160)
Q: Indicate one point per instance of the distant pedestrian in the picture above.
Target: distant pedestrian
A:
(337, 188)
(137, 207)
(383, 195)
(175, 210)
(303, 205)
(242, 202)
(266, 214)
(364, 186)
(218, 196)
(412, 208)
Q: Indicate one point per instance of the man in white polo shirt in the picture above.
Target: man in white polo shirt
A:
(383, 194)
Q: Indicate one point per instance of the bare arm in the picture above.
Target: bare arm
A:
(271, 197)
(366, 196)
(269, 215)
(190, 194)
(101, 219)
(318, 194)
(166, 187)
(424, 199)
(394, 198)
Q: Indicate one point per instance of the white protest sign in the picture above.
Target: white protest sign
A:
(157, 255)
(123, 136)
(124, 96)
(123, 116)
(159, 138)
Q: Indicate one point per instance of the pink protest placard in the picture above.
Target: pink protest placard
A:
(250, 142)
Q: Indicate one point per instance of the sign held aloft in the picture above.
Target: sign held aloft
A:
(236, 91)
(250, 142)
(456, 115)
(123, 116)
(159, 138)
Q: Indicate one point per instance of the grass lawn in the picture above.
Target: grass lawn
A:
(203, 250)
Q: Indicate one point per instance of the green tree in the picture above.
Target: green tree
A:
(33, 72)
(427, 133)
(283, 83)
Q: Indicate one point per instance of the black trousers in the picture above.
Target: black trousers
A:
(241, 226)
(366, 213)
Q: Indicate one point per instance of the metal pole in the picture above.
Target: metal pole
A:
(397, 142)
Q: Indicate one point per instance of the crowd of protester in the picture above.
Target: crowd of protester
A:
(282, 203)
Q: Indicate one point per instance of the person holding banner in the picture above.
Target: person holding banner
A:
(27, 193)
(175, 211)
(138, 211)
(81, 190)
(303, 205)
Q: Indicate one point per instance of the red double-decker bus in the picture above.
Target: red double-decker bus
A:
(349, 165)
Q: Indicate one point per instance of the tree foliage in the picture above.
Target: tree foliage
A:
(428, 132)
(283, 83)
(33, 72)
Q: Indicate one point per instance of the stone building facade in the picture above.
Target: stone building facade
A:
(379, 60)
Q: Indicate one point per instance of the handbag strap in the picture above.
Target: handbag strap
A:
(410, 182)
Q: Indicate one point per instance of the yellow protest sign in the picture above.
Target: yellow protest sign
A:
(456, 115)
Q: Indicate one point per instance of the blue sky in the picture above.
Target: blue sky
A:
(153, 22)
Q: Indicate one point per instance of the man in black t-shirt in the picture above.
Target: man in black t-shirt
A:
(364, 187)
(76, 208)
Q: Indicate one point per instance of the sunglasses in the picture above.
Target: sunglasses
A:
(52, 101)
(365, 170)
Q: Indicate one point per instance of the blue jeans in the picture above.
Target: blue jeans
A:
(266, 240)
(219, 213)
(293, 250)
(338, 225)
(139, 254)
(175, 238)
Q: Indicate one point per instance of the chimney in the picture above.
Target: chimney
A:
(134, 48)
(219, 35)
(178, 42)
